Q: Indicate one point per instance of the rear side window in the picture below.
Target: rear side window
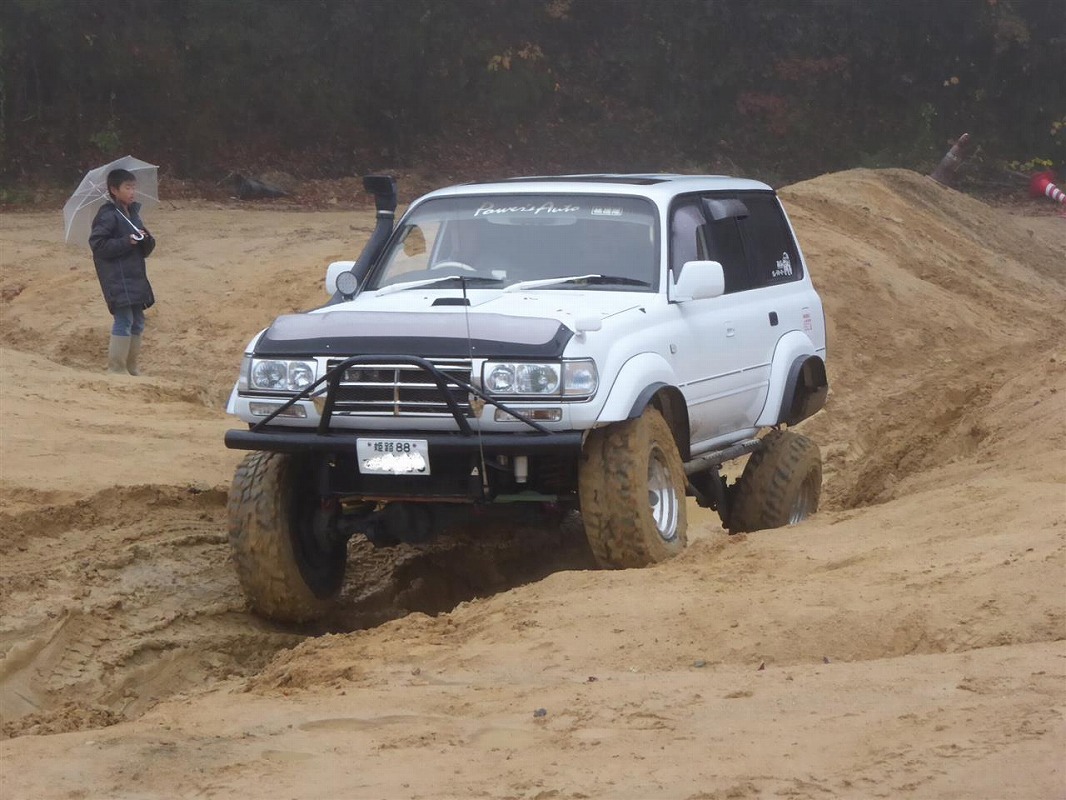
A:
(771, 251)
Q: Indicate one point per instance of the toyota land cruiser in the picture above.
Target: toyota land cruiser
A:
(599, 343)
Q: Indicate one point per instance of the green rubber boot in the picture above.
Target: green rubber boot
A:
(118, 353)
(131, 359)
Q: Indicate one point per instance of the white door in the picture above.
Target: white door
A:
(723, 368)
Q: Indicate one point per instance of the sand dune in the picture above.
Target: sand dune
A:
(907, 641)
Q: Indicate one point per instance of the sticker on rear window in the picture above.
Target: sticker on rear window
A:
(784, 267)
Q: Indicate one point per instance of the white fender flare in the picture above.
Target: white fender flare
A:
(637, 374)
(791, 347)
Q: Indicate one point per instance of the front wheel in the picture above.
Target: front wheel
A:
(288, 565)
(632, 491)
(781, 484)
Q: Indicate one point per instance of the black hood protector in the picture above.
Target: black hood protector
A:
(440, 335)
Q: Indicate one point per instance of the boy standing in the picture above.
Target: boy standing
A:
(120, 244)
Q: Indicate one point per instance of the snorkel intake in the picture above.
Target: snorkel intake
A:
(383, 187)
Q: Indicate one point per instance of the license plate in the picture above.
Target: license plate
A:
(393, 456)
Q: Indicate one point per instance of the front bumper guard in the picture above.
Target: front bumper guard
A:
(262, 437)
(294, 440)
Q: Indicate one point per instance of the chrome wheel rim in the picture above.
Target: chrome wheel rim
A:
(662, 497)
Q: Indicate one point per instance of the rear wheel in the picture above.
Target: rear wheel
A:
(632, 491)
(288, 564)
(781, 484)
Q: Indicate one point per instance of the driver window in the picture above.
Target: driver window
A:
(726, 247)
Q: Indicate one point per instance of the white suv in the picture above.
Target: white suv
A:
(601, 343)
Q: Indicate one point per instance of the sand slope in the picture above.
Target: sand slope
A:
(908, 641)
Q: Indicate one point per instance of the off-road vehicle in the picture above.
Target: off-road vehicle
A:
(599, 344)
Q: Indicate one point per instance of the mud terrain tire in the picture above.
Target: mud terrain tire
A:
(781, 484)
(632, 491)
(286, 574)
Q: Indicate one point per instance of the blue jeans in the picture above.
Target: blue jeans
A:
(129, 321)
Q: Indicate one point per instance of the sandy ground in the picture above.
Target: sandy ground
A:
(907, 641)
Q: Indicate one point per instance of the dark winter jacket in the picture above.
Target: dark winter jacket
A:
(119, 264)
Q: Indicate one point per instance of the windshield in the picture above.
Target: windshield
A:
(594, 242)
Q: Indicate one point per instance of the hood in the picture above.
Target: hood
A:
(436, 323)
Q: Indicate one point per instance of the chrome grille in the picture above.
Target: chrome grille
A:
(395, 390)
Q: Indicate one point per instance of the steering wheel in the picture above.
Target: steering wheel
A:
(459, 265)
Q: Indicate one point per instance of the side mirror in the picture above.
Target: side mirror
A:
(698, 280)
(332, 271)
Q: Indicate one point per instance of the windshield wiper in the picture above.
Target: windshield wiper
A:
(400, 287)
(593, 279)
(517, 287)
(621, 280)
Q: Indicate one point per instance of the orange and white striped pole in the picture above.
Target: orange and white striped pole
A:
(1041, 185)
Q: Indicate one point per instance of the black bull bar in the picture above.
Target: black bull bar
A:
(289, 439)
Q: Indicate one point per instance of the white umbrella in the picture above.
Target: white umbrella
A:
(80, 209)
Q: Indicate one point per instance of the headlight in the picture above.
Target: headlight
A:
(536, 378)
(500, 378)
(301, 375)
(580, 378)
(519, 378)
(281, 376)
